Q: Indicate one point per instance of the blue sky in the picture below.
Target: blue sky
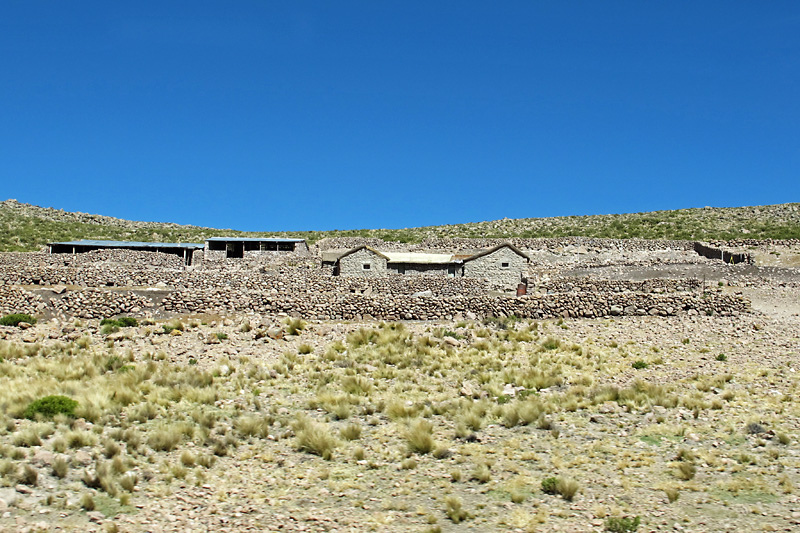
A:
(295, 115)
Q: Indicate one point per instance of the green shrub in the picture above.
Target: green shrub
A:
(638, 365)
(15, 319)
(622, 525)
(549, 485)
(722, 357)
(121, 322)
(127, 322)
(50, 406)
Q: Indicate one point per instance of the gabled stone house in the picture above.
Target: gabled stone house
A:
(362, 261)
(503, 266)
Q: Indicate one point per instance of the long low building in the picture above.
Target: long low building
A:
(182, 249)
(218, 248)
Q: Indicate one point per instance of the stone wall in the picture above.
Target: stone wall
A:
(382, 307)
(16, 300)
(724, 255)
(278, 279)
(99, 303)
(354, 264)
(742, 243)
(490, 267)
(581, 284)
(95, 257)
(214, 255)
(459, 244)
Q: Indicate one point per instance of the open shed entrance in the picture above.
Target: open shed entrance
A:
(235, 250)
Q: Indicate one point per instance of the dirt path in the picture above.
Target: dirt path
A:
(780, 303)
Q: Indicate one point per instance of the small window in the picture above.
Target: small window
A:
(505, 265)
(367, 266)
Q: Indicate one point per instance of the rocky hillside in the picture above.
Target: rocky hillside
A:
(25, 227)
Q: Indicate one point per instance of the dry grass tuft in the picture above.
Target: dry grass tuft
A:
(316, 438)
(419, 437)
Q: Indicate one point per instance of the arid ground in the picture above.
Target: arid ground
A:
(689, 423)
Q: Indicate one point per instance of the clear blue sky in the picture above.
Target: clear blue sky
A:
(299, 115)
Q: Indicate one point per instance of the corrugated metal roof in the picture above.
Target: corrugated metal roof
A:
(132, 244)
(418, 258)
(253, 239)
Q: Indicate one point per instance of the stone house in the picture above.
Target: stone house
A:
(362, 261)
(502, 266)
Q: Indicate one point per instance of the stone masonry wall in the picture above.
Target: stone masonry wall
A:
(455, 245)
(95, 257)
(580, 284)
(353, 264)
(382, 307)
(490, 267)
(16, 300)
(98, 303)
(724, 255)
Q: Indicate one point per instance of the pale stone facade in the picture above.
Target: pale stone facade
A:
(363, 261)
(503, 266)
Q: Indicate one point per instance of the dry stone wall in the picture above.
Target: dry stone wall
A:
(98, 303)
(741, 243)
(717, 253)
(17, 300)
(383, 307)
(281, 280)
(576, 284)
(459, 244)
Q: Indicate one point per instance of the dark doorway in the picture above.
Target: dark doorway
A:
(235, 250)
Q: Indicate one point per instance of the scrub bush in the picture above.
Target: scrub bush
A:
(49, 406)
(16, 318)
